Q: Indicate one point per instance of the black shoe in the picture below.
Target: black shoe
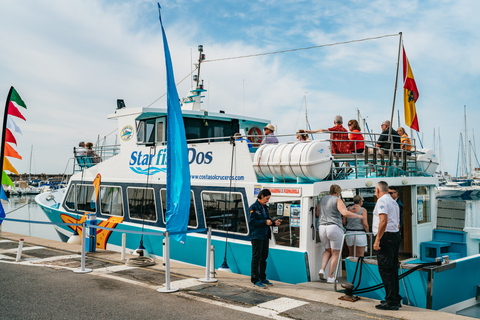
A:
(385, 302)
(386, 307)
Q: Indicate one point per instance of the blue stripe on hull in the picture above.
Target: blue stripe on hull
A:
(282, 265)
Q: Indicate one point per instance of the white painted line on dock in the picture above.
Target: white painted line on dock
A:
(282, 304)
(14, 250)
(253, 310)
(185, 283)
(114, 269)
(5, 241)
(134, 282)
(71, 256)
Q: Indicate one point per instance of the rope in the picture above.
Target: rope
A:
(140, 262)
(306, 48)
(163, 95)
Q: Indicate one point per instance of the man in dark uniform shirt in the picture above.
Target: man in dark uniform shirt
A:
(259, 223)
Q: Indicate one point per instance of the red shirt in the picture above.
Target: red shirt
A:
(342, 147)
(359, 141)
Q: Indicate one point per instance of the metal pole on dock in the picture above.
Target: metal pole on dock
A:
(207, 266)
(82, 268)
(19, 250)
(167, 288)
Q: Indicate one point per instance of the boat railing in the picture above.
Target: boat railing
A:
(87, 159)
(368, 249)
(400, 159)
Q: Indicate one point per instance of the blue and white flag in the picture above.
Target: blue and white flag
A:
(178, 170)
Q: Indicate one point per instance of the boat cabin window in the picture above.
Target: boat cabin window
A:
(141, 204)
(70, 198)
(196, 128)
(288, 232)
(146, 131)
(111, 202)
(192, 218)
(86, 198)
(224, 211)
(423, 204)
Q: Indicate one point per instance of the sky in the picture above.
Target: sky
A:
(71, 60)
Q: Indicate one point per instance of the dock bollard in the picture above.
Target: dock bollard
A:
(163, 254)
(19, 251)
(166, 259)
(82, 269)
(207, 266)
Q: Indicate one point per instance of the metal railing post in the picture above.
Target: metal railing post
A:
(167, 288)
(207, 266)
(82, 267)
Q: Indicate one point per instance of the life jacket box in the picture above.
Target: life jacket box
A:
(306, 160)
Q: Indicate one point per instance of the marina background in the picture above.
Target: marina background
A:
(70, 61)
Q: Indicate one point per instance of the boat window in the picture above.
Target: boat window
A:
(141, 204)
(161, 130)
(70, 198)
(192, 218)
(202, 128)
(288, 232)
(423, 204)
(224, 211)
(111, 201)
(86, 198)
(146, 131)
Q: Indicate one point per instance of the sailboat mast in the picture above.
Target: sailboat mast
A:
(30, 165)
(395, 91)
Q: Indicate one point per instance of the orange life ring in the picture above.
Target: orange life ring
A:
(256, 136)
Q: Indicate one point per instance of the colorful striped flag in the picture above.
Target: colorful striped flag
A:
(6, 150)
(410, 95)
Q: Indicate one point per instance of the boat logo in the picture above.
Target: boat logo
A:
(126, 133)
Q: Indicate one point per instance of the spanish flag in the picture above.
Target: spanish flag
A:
(410, 95)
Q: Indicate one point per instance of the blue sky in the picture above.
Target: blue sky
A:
(71, 60)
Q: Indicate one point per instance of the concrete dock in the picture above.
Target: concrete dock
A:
(234, 291)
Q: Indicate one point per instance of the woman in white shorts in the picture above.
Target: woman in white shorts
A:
(330, 211)
(356, 226)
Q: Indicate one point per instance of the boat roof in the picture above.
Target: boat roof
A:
(151, 113)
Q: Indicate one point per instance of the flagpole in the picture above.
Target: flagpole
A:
(395, 92)
(4, 130)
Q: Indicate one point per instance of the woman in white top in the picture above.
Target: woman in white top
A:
(356, 226)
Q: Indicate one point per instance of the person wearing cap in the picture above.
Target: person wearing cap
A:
(269, 136)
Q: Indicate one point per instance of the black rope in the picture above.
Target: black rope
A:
(232, 142)
(144, 190)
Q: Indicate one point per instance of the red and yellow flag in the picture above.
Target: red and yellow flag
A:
(410, 95)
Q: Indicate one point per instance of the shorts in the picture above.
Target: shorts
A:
(361, 241)
(331, 236)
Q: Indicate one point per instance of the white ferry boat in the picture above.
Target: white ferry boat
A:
(226, 176)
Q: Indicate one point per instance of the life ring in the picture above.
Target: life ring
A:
(255, 136)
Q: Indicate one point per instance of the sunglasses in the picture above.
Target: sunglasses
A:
(392, 192)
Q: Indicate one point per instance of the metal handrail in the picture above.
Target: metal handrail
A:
(340, 260)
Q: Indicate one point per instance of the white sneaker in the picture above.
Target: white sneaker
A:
(321, 274)
(330, 280)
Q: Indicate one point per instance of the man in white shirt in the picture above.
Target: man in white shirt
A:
(80, 151)
(386, 216)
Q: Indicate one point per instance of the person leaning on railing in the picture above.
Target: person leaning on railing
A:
(338, 132)
(383, 141)
(358, 144)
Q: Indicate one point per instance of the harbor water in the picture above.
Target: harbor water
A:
(25, 208)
